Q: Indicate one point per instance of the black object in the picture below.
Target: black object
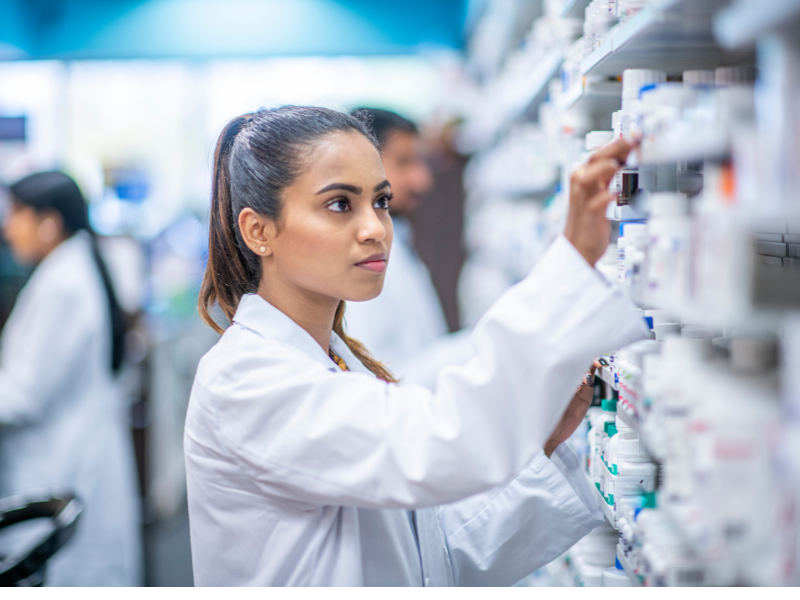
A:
(26, 568)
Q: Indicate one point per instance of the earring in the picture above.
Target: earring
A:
(262, 249)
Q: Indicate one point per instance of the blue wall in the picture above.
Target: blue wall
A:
(75, 29)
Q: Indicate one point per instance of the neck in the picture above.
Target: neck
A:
(313, 312)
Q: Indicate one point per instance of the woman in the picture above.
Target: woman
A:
(62, 422)
(306, 463)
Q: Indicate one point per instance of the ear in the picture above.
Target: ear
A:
(258, 231)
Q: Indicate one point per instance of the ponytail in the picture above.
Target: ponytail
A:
(227, 277)
(257, 156)
(377, 368)
(119, 325)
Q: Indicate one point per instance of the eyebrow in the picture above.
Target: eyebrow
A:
(351, 188)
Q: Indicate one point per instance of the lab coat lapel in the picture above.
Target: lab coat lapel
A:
(260, 316)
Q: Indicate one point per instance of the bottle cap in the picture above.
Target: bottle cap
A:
(610, 428)
(649, 500)
(609, 405)
(632, 449)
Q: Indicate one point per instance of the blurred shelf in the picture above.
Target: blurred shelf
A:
(741, 23)
(517, 98)
(628, 569)
(593, 98)
(672, 35)
(574, 9)
(606, 375)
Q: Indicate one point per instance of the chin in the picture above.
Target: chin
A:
(364, 294)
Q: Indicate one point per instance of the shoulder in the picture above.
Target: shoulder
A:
(243, 363)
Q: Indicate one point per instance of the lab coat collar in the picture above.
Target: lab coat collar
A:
(77, 240)
(260, 316)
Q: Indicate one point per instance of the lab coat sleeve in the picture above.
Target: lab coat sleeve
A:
(308, 434)
(53, 344)
(498, 537)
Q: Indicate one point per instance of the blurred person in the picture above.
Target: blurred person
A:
(62, 410)
(408, 291)
(307, 464)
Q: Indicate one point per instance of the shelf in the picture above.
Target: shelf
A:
(609, 514)
(606, 375)
(628, 569)
(602, 97)
(672, 36)
(507, 101)
(741, 23)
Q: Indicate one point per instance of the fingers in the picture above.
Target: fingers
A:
(594, 176)
(600, 201)
(617, 150)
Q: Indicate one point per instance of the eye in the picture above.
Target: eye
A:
(339, 205)
(383, 202)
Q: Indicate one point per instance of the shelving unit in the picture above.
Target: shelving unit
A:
(606, 375)
(714, 133)
(671, 36)
(593, 97)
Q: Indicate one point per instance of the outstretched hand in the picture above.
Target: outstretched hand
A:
(587, 227)
(575, 412)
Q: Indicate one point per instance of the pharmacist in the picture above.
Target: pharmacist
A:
(306, 464)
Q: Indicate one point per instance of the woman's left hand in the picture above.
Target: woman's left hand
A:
(575, 412)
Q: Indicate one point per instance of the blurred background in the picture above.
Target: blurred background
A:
(129, 96)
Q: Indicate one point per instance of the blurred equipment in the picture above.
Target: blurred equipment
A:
(27, 567)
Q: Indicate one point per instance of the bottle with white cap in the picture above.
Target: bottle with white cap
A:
(636, 473)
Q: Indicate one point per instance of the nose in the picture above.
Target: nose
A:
(370, 227)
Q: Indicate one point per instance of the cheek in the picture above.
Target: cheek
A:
(313, 248)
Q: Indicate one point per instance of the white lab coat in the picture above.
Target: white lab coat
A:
(301, 474)
(407, 317)
(62, 423)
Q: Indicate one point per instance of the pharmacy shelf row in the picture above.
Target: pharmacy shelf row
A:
(609, 514)
(607, 375)
(672, 36)
(510, 99)
(741, 23)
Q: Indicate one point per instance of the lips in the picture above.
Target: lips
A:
(375, 263)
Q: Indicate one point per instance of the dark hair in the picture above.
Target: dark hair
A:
(56, 191)
(383, 122)
(258, 155)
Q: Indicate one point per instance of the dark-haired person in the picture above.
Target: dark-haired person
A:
(408, 292)
(306, 463)
(62, 420)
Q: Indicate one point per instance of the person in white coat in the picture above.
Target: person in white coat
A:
(62, 420)
(306, 463)
(408, 292)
